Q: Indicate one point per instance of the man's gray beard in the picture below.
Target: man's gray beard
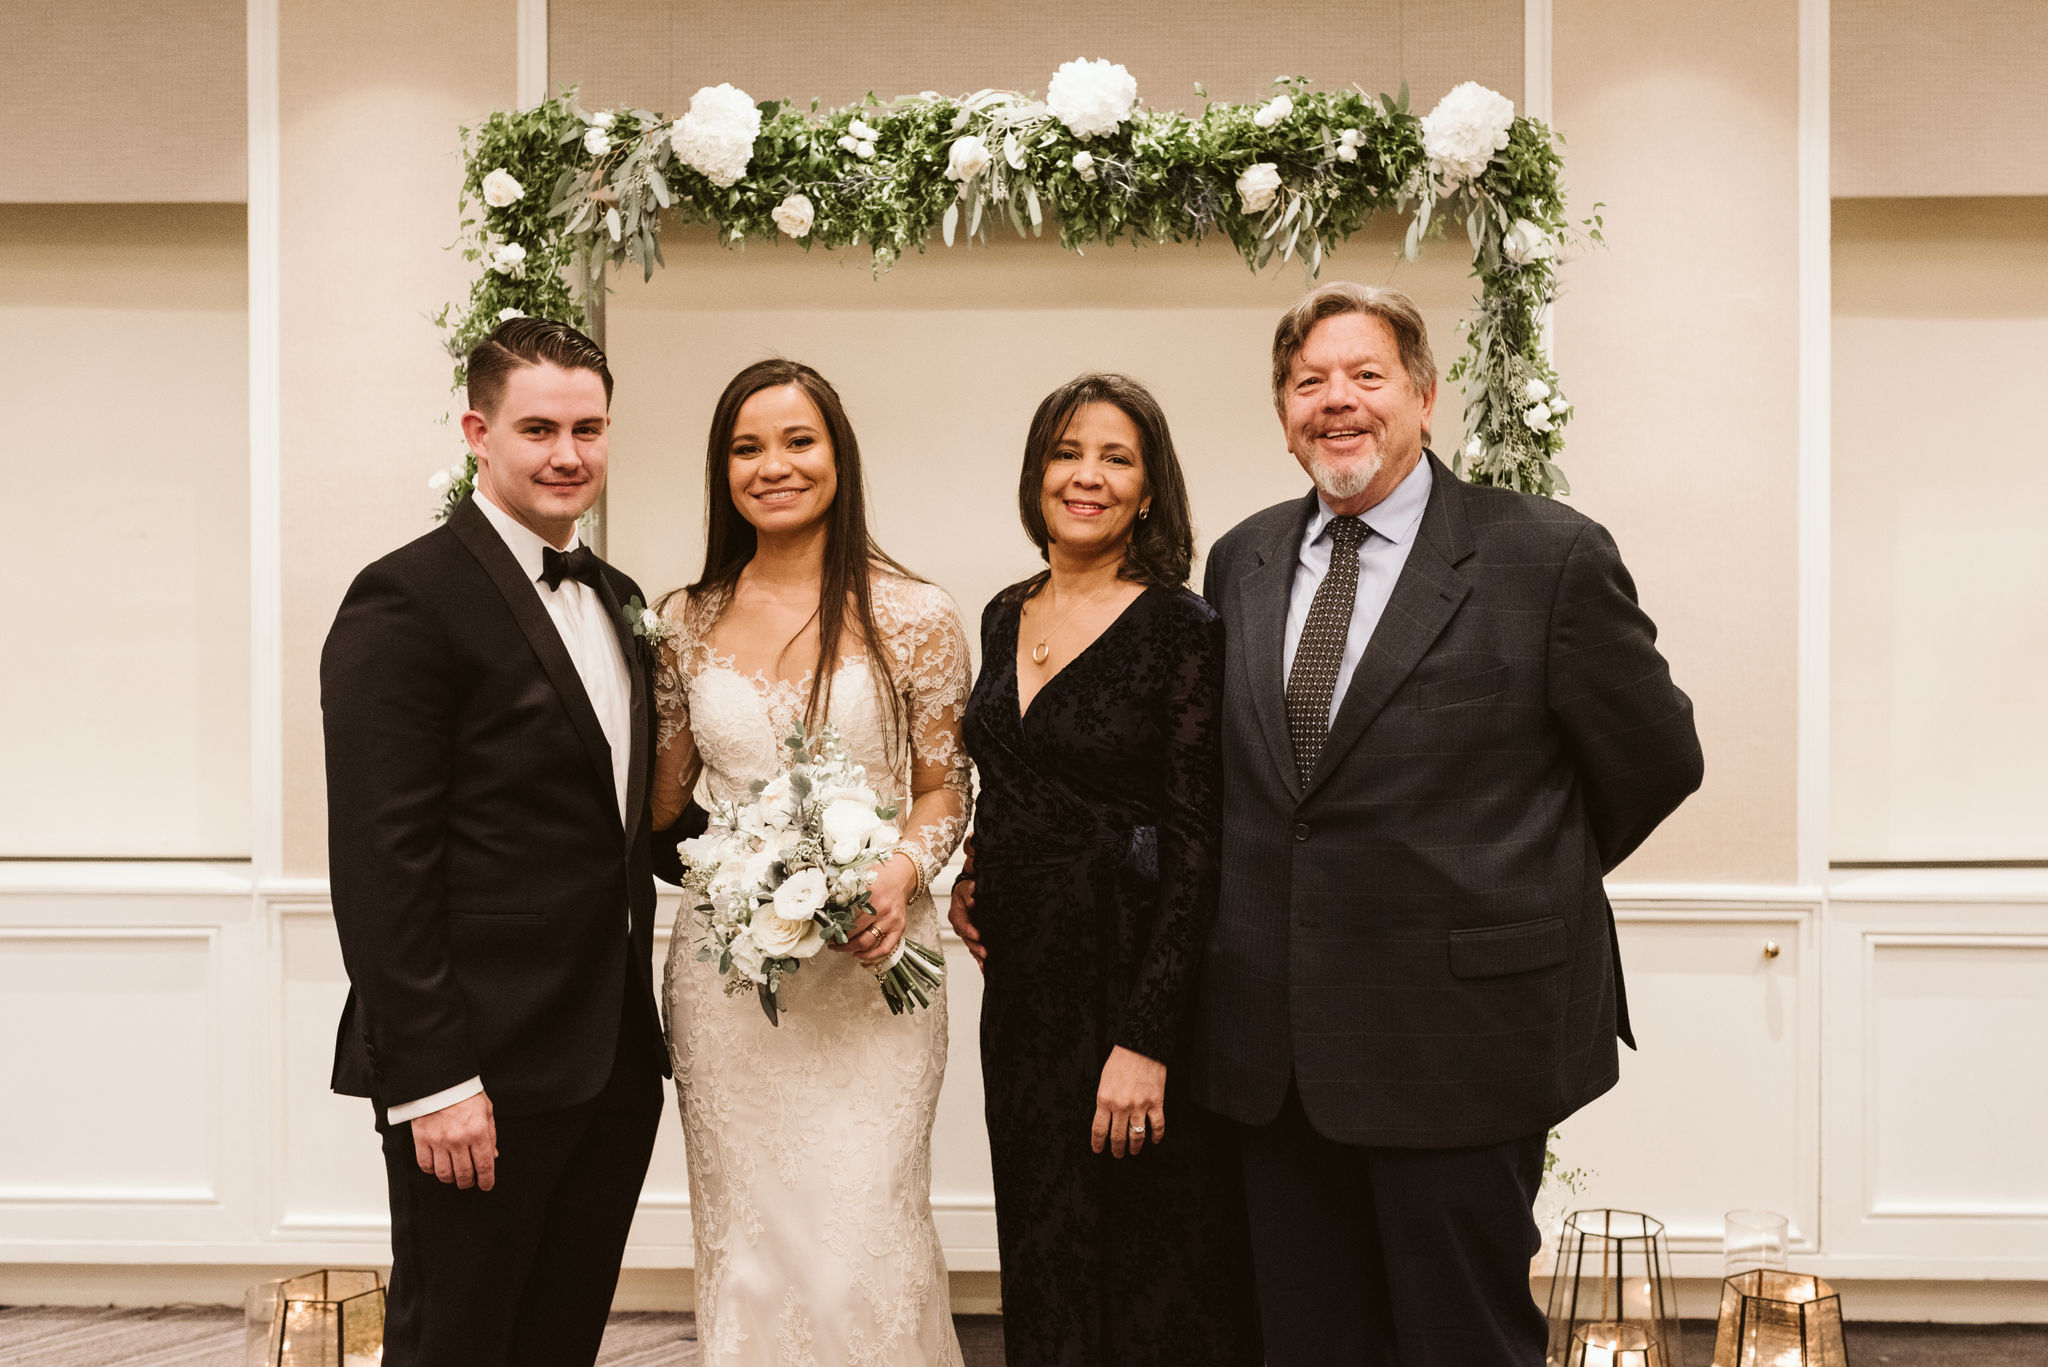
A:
(1339, 485)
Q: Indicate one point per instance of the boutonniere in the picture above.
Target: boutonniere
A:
(647, 624)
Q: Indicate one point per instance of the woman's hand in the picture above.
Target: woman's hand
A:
(878, 930)
(1130, 1103)
(960, 909)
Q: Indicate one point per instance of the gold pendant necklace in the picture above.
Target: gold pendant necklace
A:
(1040, 651)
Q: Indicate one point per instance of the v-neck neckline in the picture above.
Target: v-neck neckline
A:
(1017, 639)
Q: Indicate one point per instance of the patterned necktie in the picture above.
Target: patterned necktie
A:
(1320, 653)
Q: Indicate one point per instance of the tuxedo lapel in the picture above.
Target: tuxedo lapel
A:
(1425, 598)
(636, 668)
(490, 550)
(1262, 626)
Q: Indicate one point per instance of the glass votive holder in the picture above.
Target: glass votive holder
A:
(1610, 1345)
(330, 1318)
(1779, 1319)
(1754, 1239)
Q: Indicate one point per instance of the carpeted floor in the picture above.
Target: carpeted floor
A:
(186, 1336)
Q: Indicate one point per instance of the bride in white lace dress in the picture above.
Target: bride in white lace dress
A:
(809, 1142)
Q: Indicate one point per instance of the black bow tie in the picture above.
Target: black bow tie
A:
(555, 566)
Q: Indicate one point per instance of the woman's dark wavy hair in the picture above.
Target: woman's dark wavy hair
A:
(1162, 546)
(850, 550)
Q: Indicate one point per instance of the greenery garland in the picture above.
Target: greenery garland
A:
(554, 194)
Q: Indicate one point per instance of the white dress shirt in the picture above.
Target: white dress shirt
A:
(584, 622)
(1392, 524)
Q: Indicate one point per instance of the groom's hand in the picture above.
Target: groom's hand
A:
(459, 1143)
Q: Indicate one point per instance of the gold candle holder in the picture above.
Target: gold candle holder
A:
(1779, 1319)
(330, 1318)
(1610, 1345)
(1613, 1267)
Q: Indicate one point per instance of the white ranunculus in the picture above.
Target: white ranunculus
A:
(1258, 187)
(847, 827)
(967, 158)
(1346, 152)
(501, 189)
(795, 216)
(747, 957)
(1274, 111)
(508, 258)
(596, 141)
(801, 895)
(1538, 418)
(716, 138)
(1084, 165)
(507, 315)
(1536, 391)
(1091, 98)
(1465, 129)
(1524, 242)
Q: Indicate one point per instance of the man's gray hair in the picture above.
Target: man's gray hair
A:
(1339, 297)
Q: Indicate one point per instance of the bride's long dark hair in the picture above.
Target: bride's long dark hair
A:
(851, 553)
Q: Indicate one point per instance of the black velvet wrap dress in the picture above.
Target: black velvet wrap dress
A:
(1095, 848)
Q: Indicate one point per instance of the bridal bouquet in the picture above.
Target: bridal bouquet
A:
(779, 877)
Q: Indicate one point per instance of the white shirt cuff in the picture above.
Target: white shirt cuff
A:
(439, 1101)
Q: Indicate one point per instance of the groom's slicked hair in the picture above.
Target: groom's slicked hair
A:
(518, 343)
(1337, 298)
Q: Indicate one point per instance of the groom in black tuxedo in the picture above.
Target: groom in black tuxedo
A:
(1444, 720)
(489, 733)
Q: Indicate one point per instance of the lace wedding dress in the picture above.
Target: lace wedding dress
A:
(809, 1143)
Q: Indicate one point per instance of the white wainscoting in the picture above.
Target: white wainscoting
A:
(1883, 1078)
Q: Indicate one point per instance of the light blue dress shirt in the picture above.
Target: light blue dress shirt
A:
(1393, 523)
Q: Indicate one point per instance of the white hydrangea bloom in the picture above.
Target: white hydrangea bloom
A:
(716, 137)
(1465, 129)
(1091, 98)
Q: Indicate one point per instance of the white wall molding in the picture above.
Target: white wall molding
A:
(533, 53)
(1816, 399)
(1536, 59)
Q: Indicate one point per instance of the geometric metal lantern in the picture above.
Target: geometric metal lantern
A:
(1613, 1268)
(330, 1318)
(1610, 1345)
(1779, 1319)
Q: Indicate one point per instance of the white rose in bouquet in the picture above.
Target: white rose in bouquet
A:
(801, 896)
(509, 258)
(847, 828)
(1537, 419)
(968, 158)
(747, 957)
(1524, 243)
(716, 137)
(883, 838)
(1274, 111)
(1084, 165)
(500, 189)
(782, 938)
(1258, 187)
(1465, 129)
(795, 215)
(702, 851)
(1091, 98)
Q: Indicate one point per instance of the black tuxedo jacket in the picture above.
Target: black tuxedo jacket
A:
(496, 916)
(1420, 937)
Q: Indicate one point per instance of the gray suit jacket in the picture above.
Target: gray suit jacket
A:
(1420, 938)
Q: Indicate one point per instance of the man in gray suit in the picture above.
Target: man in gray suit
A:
(1445, 719)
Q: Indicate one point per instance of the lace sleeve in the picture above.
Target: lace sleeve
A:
(675, 755)
(929, 657)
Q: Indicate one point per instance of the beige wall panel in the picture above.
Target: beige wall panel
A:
(123, 343)
(1940, 99)
(1678, 343)
(941, 363)
(1940, 566)
(372, 95)
(123, 101)
(656, 53)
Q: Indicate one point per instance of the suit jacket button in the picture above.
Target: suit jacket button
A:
(1301, 830)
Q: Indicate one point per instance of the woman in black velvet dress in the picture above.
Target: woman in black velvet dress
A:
(1119, 1208)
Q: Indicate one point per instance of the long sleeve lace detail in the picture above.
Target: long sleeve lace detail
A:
(928, 659)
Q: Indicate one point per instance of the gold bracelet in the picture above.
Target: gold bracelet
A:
(917, 866)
